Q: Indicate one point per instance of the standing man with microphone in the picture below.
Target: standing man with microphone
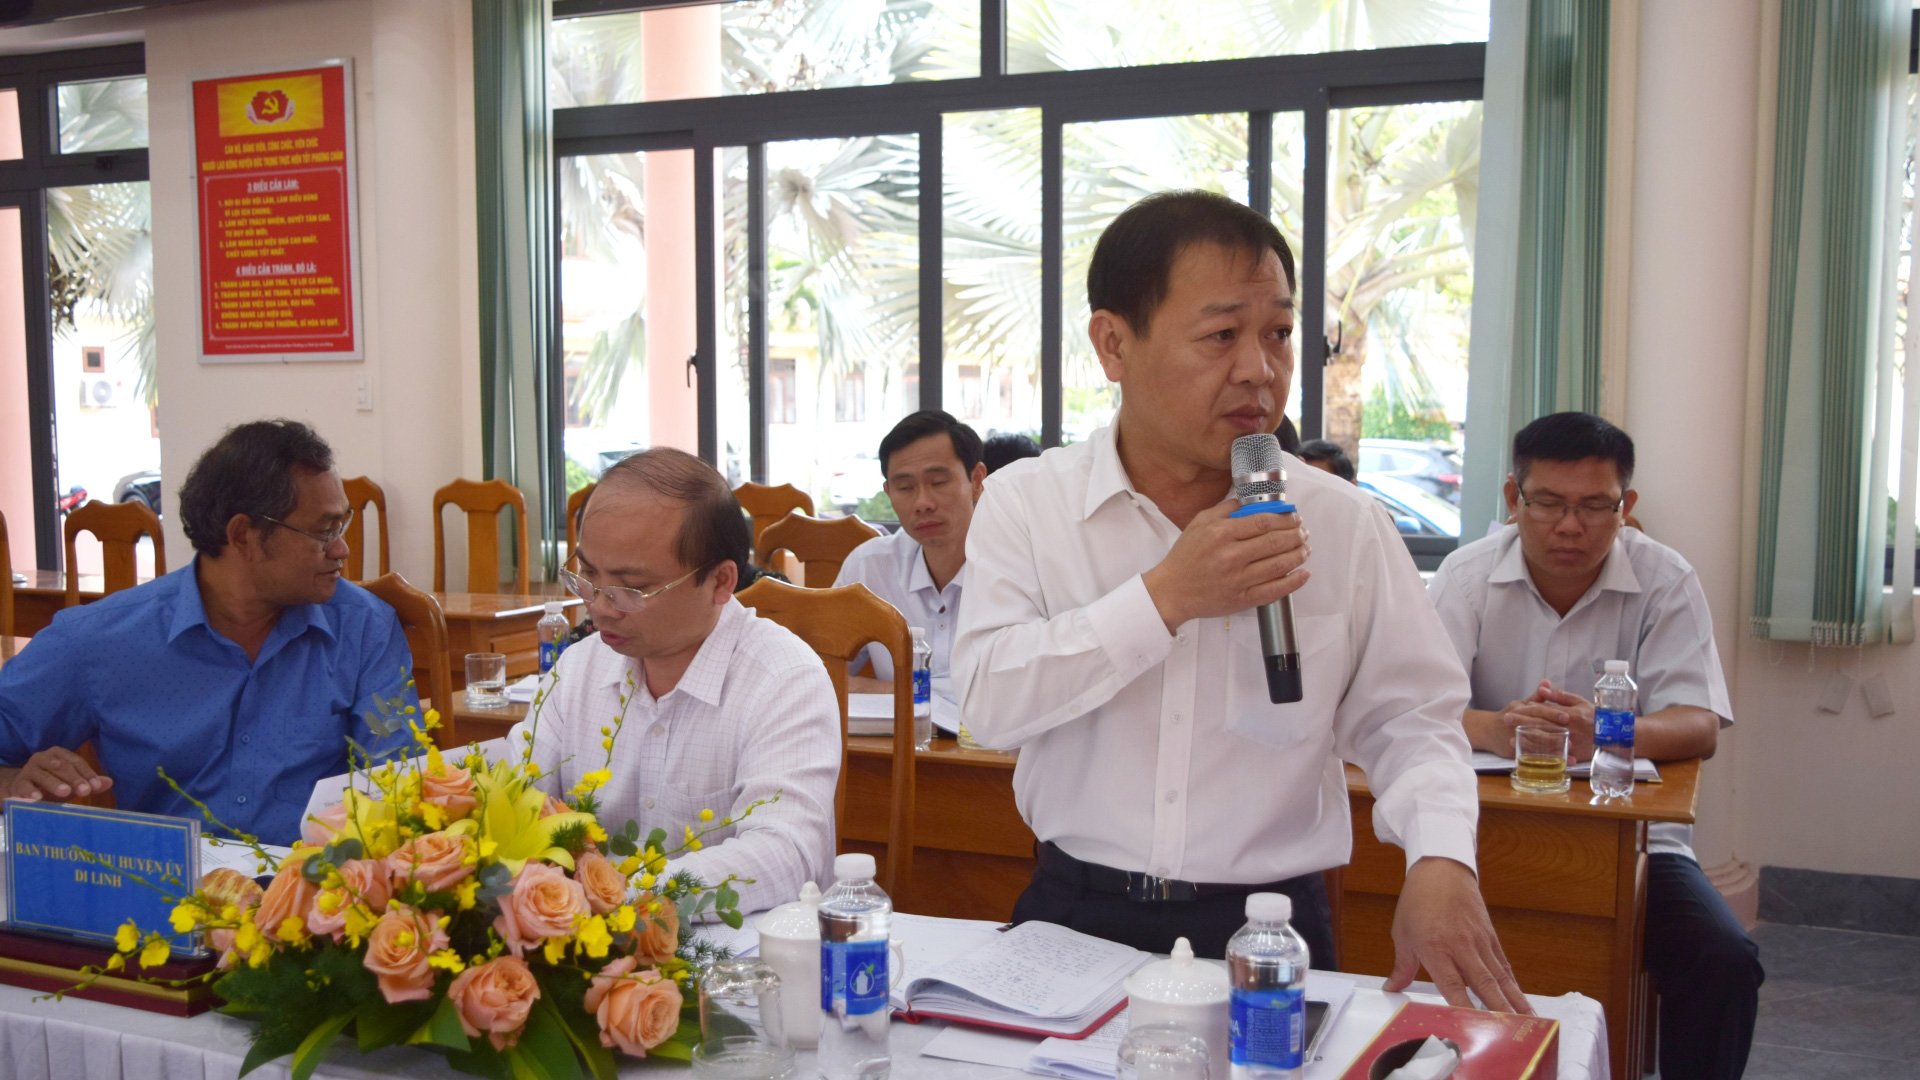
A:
(1111, 633)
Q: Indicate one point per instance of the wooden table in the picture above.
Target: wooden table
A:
(1565, 882)
(471, 725)
(8, 646)
(972, 851)
(476, 622)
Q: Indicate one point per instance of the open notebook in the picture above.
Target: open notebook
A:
(1037, 978)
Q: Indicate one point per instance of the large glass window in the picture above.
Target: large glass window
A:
(992, 271)
(102, 114)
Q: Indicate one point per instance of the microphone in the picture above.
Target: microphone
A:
(1261, 486)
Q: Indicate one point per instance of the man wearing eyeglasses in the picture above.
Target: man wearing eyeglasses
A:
(242, 675)
(688, 700)
(1534, 611)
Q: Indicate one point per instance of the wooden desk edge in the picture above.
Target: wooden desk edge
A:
(944, 752)
(1674, 799)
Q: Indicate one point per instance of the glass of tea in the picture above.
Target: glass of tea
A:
(1540, 759)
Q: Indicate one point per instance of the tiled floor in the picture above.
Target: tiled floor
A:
(1836, 1004)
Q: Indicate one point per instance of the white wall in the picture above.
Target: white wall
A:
(412, 76)
(1791, 786)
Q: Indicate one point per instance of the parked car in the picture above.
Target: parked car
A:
(1415, 511)
(1433, 467)
(853, 482)
(141, 487)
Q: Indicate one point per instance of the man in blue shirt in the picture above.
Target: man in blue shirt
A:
(242, 674)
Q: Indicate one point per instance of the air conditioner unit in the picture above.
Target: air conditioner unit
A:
(101, 392)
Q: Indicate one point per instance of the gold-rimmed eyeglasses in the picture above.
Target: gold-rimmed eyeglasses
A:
(1551, 510)
(324, 539)
(619, 597)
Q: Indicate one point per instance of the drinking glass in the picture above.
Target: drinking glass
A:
(742, 1032)
(1162, 1052)
(486, 680)
(1540, 759)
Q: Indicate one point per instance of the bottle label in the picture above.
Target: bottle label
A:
(1268, 1027)
(854, 972)
(1613, 727)
(550, 654)
(922, 686)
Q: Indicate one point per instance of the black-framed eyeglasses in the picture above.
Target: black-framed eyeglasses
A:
(324, 539)
(1551, 509)
(619, 597)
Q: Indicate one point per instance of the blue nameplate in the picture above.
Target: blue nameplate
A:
(79, 871)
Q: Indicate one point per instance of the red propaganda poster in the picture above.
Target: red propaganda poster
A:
(279, 257)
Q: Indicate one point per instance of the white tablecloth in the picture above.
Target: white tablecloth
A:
(87, 1040)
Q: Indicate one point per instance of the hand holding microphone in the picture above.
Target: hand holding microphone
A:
(1260, 483)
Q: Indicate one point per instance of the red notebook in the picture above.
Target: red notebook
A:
(1493, 1046)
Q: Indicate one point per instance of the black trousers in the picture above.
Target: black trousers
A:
(1707, 971)
(1206, 923)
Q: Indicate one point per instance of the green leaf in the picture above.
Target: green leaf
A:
(265, 1049)
(377, 1024)
(656, 839)
(314, 1046)
(672, 1050)
(621, 846)
(726, 897)
(481, 1060)
(584, 1034)
(442, 1029)
(732, 918)
(546, 1047)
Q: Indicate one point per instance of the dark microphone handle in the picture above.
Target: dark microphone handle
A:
(1283, 679)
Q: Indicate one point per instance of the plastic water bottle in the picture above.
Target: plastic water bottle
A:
(1267, 1002)
(1615, 701)
(552, 630)
(922, 688)
(855, 917)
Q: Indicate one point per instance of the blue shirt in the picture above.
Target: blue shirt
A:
(142, 675)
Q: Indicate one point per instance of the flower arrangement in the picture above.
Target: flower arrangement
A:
(460, 907)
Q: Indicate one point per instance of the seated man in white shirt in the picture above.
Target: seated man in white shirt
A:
(1109, 633)
(934, 473)
(1535, 610)
(719, 708)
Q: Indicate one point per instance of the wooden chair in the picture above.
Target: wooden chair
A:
(838, 624)
(483, 501)
(576, 502)
(426, 627)
(119, 527)
(767, 505)
(363, 494)
(821, 544)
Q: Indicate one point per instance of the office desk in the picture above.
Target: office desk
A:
(472, 725)
(1565, 882)
(44, 595)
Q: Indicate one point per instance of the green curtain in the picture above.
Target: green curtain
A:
(513, 143)
(1828, 436)
(1563, 182)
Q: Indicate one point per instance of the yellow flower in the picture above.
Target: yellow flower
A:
(127, 938)
(359, 923)
(186, 915)
(621, 919)
(155, 952)
(706, 815)
(447, 960)
(694, 845)
(116, 962)
(595, 833)
(467, 892)
(328, 902)
(433, 720)
(556, 949)
(230, 913)
(592, 782)
(594, 938)
(434, 815)
(259, 955)
(293, 930)
(508, 818)
(647, 880)
(628, 865)
(247, 937)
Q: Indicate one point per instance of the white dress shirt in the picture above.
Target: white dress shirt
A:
(753, 714)
(1646, 608)
(895, 568)
(1160, 752)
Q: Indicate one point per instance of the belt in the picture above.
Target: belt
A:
(1136, 886)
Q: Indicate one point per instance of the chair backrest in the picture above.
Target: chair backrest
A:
(119, 526)
(483, 500)
(838, 624)
(576, 502)
(426, 627)
(821, 544)
(363, 493)
(767, 505)
(6, 591)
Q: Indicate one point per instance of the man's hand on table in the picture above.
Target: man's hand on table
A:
(1554, 707)
(1441, 923)
(55, 773)
(867, 684)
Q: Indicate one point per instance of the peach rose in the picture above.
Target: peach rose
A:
(225, 886)
(289, 896)
(554, 806)
(323, 827)
(363, 881)
(436, 860)
(543, 904)
(449, 787)
(606, 887)
(657, 935)
(637, 1011)
(397, 952)
(494, 1000)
